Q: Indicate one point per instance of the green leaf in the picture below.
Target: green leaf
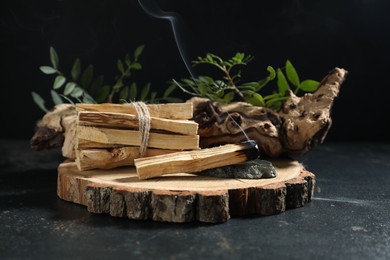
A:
(59, 81)
(206, 79)
(56, 98)
(220, 93)
(67, 99)
(274, 95)
(189, 82)
(136, 66)
(120, 67)
(133, 92)
(169, 90)
(124, 93)
(292, 74)
(249, 85)
(209, 57)
(127, 60)
(228, 97)
(215, 57)
(76, 70)
(282, 82)
(153, 96)
(275, 103)
(238, 57)
(54, 58)
(77, 92)
(88, 99)
(309, 85)
(97, 84)
(39, 101)
(183, 88)
(145, 92)
(48, 70)
(259, 99)
(272, 73)
(138, 51)
(103, 93)
(248, 59)
(87, 76)
(263, 82)
(69, 87)
(202, 89)
(254, 98)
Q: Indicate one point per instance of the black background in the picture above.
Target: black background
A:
(315, 35)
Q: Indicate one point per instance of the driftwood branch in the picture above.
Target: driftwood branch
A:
(56, 129)
(301, 123)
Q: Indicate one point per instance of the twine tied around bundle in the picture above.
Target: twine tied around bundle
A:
(144, 120)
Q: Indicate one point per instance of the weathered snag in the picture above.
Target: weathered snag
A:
(301, 123)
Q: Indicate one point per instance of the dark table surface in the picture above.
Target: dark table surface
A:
(348, 218)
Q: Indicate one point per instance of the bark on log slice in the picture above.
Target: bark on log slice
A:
(185, 197)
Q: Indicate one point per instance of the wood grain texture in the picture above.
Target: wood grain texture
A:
(129, 121)
(171, 111)
(111, 137)
(185, 197)
(110, 158)
(195, 161)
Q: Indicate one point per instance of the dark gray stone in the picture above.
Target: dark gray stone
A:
(255, 169)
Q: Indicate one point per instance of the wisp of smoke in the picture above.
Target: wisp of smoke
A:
(238, 125)
(151, 8)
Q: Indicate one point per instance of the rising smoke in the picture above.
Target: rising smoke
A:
(151, 8)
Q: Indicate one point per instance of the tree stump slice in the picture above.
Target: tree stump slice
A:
(185, 197)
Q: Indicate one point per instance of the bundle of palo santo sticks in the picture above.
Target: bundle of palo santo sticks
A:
(108, 136)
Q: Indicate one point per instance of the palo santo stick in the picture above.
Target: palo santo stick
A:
(119, 120)
(129, 137)
(171, 110)
(86, 144)
(195, 161)
(111, 158)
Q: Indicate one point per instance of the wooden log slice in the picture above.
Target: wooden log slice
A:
(185, 197)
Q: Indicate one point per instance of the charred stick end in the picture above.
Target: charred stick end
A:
(251, 150)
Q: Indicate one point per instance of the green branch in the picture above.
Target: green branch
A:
(225, 89)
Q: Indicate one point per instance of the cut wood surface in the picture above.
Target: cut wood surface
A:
(170, 111)
(185, 197)
(132, 138)
(86, 144)
(111, 158)
(195, 161)
(129, 121)
(70, 141)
